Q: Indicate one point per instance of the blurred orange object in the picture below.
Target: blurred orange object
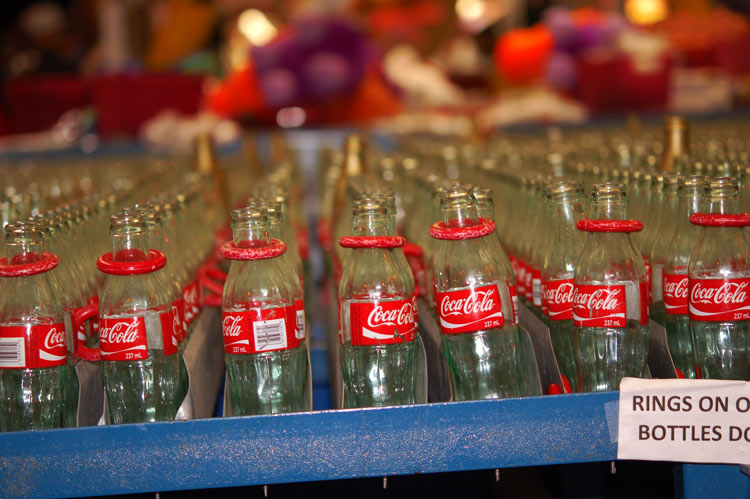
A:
(695, 34)
(586, 16)
(183, 27)
(521, 55)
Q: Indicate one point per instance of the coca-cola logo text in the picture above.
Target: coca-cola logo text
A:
(120, 332)
(728, 293)
(382, 317)
(561, 295)
(477, 302)
(602, 299)
(676, 289)
(231, 325)
(54, 339)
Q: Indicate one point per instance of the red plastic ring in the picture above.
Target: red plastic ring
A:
(157, 261)
(604, 225)
(411, 249)
(386, 242)
(47, 263)
(441, 231)
(231, 252)
(720, 220)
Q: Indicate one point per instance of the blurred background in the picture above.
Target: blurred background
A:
(81, 71)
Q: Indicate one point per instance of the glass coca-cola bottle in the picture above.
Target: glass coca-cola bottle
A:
(610, 307)
(69, 298)
(482, 198)
(377, 325)
(565, 203)
(719, 286)
(286, 262)
(33, 352)
(675, 278)
(167, 275)
(474, 305)
(662, 244)
(136, 337)
(265, 360)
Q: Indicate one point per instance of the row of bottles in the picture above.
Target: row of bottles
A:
(596, 252)
(111, 279)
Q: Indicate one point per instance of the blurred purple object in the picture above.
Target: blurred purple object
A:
(326, 73)
(326, 56)
(562, 71)
(279, 87)
(590, 36)
(564, 32)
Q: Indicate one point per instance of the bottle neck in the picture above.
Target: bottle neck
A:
(609, 209)
(370, 224)
(485, 209)
(724, 204)
(129, 246)
(459, 214)
(566, 212)
(688, 203)
(274, 228)
(23, 250)
(250, 236)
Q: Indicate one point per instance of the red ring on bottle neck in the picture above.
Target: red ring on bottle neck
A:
(157, 261)
(439, 230)
(411, 249)
(720, 219)
(384, 242)
(605, 225)
(48, 262)
(274, 248)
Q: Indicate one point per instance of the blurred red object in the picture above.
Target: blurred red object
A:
(732, 56)
(615, 84)
(125, 101)
(521, 54)
(239, 94)
(34, 103)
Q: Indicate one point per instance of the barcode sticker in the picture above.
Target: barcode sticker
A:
(12, 352)
(269, 335)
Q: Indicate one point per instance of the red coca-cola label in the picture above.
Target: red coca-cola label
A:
(299, 319)
(123, 338)
(514, 301)
(596, 305)
(528, 284)
(558, 296)
(719, 299)
(647, 264)
(189, 294)
(259, 330)
(180, 304)
(192, 302)
(468, 310)
(169, 335)
(643, 291)
(675, 293)
(382, 323)
(176, 316)
(521, 278)
(536, 287)
(31, 347)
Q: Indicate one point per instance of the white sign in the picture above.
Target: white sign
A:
(686, 420)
